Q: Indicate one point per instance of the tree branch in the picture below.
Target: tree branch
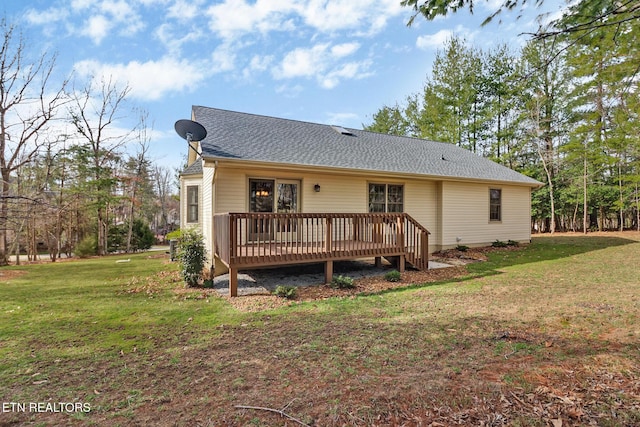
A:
(277, 411)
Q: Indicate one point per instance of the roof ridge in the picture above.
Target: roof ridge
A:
(268, 117)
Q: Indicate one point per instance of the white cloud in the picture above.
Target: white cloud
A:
(352, 70)
(47, 16)
(289, 91)
(362, 16)
(184, 10)
(173, 39)
(80, 5)
(342, 119)
(90, 18)
(261, 63)
(119, 10)
(303, 62)
(258, 64)
(149, 80)
(344, 49)
(235, 18)
(97, 27)
(323, 62)
(434, 41)
(223, 58)
(439, 39)
(491, 6)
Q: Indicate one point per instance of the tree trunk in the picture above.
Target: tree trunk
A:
(4, 215)
(585, 215)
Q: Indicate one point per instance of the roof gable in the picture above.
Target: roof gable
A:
(250, 137)
(194, 168)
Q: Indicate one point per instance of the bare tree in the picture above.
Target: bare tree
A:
(140, 167)
(27, 106)
(96, 111)
(163, 177)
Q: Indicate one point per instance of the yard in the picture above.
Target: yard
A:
(547, 335)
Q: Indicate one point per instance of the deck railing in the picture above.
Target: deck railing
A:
(248, 240)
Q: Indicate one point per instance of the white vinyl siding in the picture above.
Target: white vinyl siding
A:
(465, 215)
(206, 209)
(447, 209)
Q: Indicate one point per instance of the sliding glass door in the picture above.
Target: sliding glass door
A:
(270, 195)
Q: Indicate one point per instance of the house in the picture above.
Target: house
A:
(269, 191)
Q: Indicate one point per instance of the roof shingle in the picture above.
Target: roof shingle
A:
(244, 136)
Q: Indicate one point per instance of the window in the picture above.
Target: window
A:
(386, 198)
(192, 203)
(495, 204)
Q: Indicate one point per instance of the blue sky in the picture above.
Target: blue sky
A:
(323, 61)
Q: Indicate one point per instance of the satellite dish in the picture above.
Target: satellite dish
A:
(190, 130)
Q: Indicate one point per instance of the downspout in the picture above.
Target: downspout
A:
(212, 268)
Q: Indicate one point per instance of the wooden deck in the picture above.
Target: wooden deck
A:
(255, 240)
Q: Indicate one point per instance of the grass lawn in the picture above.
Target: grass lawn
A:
(547, 335)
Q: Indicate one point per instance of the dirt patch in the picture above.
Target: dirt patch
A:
(366, 284)
(6, 275)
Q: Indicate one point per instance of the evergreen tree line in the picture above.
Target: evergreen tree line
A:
(563, 110)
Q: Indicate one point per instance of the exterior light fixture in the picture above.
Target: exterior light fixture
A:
(316, 188)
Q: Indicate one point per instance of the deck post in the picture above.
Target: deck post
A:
(328, 236)
(328, 271)
(378, 261)
(233, 282)
(424, 250)
(401, 263)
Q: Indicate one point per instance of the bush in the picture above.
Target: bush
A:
(342, 282)
(191, 256)
(499, 244)
(86, 247)
(512, 243)
(142, 237)
(288, 292)
(174, 235)
(462, 248)
(392, 276)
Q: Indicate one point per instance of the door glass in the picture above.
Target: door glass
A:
(260, 200)
(287, 203)
(261, 195)
(287, 197)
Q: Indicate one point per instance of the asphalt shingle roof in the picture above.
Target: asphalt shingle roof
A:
(244, 136)
(194, 168)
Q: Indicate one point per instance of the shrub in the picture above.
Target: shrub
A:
(342, 282)
(142, 237)
(392, 276)
(175, 234)
(288, 292)
(192, 256)
(499, 244)
(462, 248)
(512, 243)
(86, 247)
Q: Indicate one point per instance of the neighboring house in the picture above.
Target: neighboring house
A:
(268, 191)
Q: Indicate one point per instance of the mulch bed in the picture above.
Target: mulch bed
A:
(369, 285)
